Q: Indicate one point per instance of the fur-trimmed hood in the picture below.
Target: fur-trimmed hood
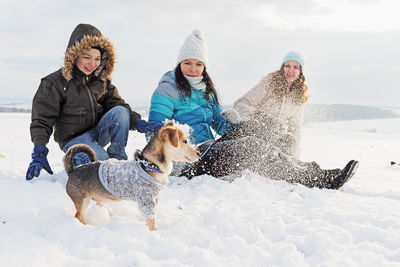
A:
(82, 39)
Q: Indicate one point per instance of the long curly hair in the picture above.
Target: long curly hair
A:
(281, 87)
(186, 90)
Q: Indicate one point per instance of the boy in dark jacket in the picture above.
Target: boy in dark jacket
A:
(81, 104)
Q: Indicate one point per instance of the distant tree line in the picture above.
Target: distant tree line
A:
(340, 112)
(13, 109)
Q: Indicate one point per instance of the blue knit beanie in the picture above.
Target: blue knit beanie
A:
(295, 55)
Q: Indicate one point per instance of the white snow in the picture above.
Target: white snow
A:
(209, 222)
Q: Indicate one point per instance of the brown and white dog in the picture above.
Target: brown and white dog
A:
(145, 176)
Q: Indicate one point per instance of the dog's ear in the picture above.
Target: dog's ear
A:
(136, 155)
(171, 135)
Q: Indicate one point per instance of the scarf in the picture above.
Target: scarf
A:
(196, 82)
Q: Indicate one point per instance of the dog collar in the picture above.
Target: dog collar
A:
(147, 165)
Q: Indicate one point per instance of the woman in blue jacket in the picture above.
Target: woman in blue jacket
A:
(188, 95)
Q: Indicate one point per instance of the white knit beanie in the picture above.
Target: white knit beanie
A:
(194, 47)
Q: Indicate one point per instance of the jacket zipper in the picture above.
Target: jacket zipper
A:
(90, 100)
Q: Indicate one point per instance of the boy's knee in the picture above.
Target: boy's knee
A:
(102, 154)
(121, 113)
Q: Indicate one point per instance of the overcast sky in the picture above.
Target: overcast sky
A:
(352, 47)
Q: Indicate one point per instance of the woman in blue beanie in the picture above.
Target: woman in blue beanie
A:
(272, 110)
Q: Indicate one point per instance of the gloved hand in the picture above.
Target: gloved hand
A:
(232, 116)
(148, 127)
(39, 161)
(81, 158)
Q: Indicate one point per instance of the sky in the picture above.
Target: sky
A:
(351, 46)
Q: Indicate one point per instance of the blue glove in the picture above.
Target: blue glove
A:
(81, 158)
(39, 161)
(148, 127)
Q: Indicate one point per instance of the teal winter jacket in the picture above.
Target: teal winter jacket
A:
(200, 114)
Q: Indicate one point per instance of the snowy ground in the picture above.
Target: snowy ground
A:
(208, 222)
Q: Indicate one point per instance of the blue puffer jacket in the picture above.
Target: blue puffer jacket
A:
(196, 111)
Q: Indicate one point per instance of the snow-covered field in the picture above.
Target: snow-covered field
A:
(209, 222)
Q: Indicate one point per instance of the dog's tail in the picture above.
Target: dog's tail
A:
(72, 151)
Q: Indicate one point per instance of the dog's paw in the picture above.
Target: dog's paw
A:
(151, 224)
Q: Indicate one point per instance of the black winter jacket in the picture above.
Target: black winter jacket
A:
(70, 101)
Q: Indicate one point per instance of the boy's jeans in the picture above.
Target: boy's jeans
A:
(113, 127)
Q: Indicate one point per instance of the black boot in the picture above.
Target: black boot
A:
(338, 180)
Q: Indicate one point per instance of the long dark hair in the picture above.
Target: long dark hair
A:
(186, 90)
